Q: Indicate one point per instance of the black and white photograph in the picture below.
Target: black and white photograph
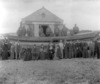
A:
(49, 41)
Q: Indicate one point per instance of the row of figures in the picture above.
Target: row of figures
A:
(52, 51)
(46, 31)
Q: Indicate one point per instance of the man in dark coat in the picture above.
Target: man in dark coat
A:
(42, 53)
(72, 44)
(5, 54)
(77, 49)
(28, 55)
(22, 52)
(85, 50)
(46, 51)
(51, 51)
(65, 50)
(70, 49)
(80, 49)
(74, 49)
(1, 52)
(97, 45)
(35, 52)
(82, 45)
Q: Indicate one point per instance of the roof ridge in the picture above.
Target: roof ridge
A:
(45, 10)
(52, 13)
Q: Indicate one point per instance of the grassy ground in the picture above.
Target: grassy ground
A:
(67, 71)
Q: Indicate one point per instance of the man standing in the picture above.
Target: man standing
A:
(35, 52)
(42, 52)
(17, 50)
(1, 51)
(71, 49)
(61, 47)
(5, 51)
(51, 51)
(65, 50)
(97, 45)
(12, 51)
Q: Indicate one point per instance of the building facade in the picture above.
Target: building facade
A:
(41, 20)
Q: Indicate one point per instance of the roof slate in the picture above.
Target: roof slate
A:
(42, 15)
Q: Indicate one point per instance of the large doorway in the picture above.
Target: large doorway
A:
(44, 28)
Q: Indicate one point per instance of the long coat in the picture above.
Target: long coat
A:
(5, 54)
(17, 50)
(85, 51)
(12, 51)
(59, 53)
(51, 52)
(70, 50)
(27, 55)
(42, 54)
(97, 45)
(66, 51)
(35, 53)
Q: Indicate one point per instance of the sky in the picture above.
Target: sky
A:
(84, 13)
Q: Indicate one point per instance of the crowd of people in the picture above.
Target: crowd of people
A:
(51, 51)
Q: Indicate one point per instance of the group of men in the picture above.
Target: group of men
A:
(52, 51)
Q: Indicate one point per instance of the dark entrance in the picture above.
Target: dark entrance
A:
(44, 27)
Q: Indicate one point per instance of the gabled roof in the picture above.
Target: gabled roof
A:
(42, 15)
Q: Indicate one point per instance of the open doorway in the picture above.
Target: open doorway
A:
(44, 28)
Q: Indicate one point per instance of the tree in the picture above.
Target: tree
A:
(75, 29)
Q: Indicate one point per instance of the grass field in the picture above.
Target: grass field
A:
(67, 71)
